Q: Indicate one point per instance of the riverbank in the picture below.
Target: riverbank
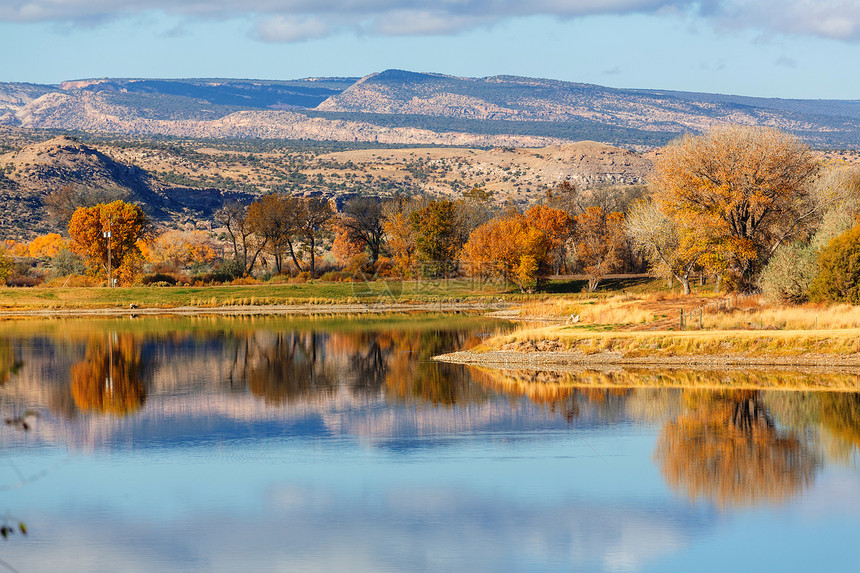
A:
(259, 310)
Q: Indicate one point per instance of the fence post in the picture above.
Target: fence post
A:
(682, 319)
(701, 321)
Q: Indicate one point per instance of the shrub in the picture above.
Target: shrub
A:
(24, 281)
(789, 273)
(153, 278)
(839, 277)
(336, 276)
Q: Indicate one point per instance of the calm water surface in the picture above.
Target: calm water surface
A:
(323, 445)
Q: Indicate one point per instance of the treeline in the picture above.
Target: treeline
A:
(752, 208)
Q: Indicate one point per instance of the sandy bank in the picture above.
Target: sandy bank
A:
(565, 361)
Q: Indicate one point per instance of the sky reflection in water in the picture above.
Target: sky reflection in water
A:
(275, 445)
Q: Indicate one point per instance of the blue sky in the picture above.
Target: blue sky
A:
(771, 48)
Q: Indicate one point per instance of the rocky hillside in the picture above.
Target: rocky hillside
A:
(182, 183)
(29, 175)
(517, 99)
(397, 107)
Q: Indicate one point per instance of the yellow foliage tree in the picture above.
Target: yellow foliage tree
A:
(127, 223)
(741, 190)
(401, 243)
(181, 249)
(47, 245)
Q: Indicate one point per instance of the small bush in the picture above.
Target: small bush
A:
(158, 278)
(791, 270)
(24, 281)
(839, 277)
(245, 281)
(336, 276)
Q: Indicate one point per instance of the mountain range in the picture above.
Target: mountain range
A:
(401, 107)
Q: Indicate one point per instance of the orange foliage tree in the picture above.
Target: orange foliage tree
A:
(513, 248)
(399, 236)
(128, 224)
(741, 190)
(558, 226)
(599, 243)
(47, 245)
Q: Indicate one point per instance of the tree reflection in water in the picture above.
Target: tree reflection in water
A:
(107, 380)
(723, 446)
(727, 449)
(288, 366)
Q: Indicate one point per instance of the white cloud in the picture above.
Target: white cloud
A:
(296, 20)
(291, 29)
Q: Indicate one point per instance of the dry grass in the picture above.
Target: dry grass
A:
(658, 344)
(659, 311)
(620, 309)
(807, 317)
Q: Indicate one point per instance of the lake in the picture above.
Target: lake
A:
(337, 444)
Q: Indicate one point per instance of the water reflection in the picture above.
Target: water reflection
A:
(727, 449)
(334, 445)
(108, 380)
(736, 447)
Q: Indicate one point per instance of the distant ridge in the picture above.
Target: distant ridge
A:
(398, 106)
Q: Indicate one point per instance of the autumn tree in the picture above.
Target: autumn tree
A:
(558, 227)
(744, 188)
(838, 278)
(437, 241)
(47, 245)
(793, 267)
(399, 236)
(512, 248)
(127, 224)
(670, 253)
(314, 215)
(181, 249)
(274, 219)
(599, 243)
(362, 220)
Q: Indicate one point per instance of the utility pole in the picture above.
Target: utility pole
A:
(106, 235)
